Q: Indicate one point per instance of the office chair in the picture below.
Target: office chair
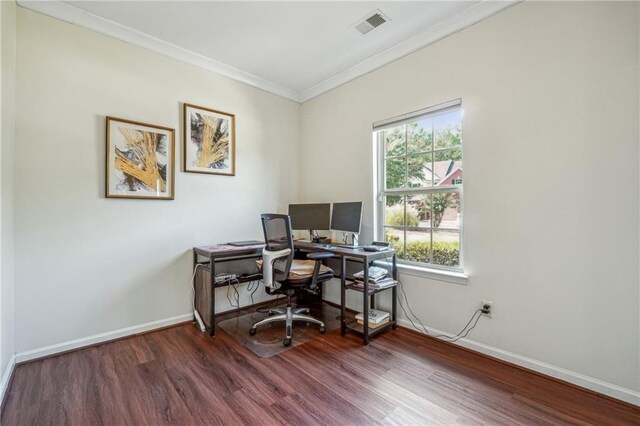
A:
(277, 261)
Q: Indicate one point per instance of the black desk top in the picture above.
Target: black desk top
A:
(359, 253)
(226, 250)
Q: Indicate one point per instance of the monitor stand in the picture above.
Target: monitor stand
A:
(345, 239)
(314, 237)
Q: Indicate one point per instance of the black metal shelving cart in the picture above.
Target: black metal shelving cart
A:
(368, 294)
(361, 258)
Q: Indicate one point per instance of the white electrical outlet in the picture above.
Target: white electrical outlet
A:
(483, 304)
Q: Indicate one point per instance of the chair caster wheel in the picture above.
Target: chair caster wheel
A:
(252, 331)
(287, 342)
(322, 330)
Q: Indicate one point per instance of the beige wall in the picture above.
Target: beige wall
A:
(86, 264)
(7, 142)
(550, 97)
(550, 93)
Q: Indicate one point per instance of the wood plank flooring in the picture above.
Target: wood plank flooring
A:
(179, 376)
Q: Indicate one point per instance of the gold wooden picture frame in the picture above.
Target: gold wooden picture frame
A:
(140, 160)
(209, 142)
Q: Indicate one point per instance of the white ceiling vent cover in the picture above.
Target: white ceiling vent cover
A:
(370, 22)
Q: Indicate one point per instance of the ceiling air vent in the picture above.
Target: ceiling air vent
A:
(372, 21)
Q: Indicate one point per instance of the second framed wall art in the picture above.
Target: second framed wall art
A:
(209, 141)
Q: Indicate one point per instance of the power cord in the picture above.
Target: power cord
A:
(193, 286)
(253, 287)
(458, 336)
(409, 318)
(237, 294)
(401, 288)
(451, 339)
(235, 289)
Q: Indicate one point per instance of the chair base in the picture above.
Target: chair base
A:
(288, 315)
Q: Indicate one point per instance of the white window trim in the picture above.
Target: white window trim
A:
(445, 275)
(434, 274)
(403, 118)
(425, 270)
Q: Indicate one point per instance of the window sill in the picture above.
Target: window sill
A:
(433, 274)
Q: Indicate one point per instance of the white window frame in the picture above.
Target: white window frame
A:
(429, 270)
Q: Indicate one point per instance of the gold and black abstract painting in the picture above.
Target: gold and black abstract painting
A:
(209, 141)
(140, 160)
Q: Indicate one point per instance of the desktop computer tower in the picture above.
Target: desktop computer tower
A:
(203, 294)
(241, 268)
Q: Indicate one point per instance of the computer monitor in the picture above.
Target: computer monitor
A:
(346, 217)
(310, 217)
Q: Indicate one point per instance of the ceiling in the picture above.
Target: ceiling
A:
(294, 49)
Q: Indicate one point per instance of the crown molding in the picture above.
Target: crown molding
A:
(437, 32)
(74, 15)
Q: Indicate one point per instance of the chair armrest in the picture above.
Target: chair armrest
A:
(320, 255)
(268, 257)
(316, 270)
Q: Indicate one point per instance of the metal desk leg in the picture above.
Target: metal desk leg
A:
(372, 302)
(343, 301)
(394, 294)
(365, 305)
(212, 313)
(195, 293)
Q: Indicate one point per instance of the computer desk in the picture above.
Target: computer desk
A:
(225, 253)
(359, 255)
(216, 254)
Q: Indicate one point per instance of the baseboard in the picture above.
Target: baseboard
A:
(578, 379)
(99, 338)
(596, 385)
(60, 348)
(6, 380)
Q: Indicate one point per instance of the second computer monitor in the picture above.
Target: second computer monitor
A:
(314, 217)
(346, 217)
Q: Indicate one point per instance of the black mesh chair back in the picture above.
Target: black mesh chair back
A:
(277, 236)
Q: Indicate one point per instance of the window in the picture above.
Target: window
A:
(419, 185)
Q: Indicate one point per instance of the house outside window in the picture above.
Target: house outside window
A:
(419, 186)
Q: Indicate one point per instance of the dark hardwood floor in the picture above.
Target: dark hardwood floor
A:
(179, 376)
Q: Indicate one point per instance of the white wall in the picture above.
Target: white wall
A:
(86, 264)
(550, 96)
(7, 135)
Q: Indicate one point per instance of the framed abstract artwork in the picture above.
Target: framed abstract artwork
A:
(209, 141)
(140, 160)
